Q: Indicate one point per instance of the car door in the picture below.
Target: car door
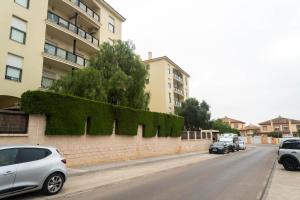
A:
(32, 167)
(8, 168)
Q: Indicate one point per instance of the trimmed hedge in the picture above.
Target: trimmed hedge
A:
(69, 115)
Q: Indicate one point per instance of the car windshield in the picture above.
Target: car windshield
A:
(219, 144)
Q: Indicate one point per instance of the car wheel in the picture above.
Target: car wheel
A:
(290, 164)
(53, 184)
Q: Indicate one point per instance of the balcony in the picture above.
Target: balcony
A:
(178, 78)
(177, 104)
(63, 57)
(86, 9)
(88, 42)
(178, 91)
(87, 17)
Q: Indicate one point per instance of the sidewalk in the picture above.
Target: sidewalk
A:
(89, 178)
(284, 185)
(77, 171)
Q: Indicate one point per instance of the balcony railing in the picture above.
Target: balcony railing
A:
(178, 90)
(71, 27)
(178, 78)
(86, 9)
(66, 55)
(177, 103)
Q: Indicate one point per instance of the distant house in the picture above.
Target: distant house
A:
(250, 130)
(286, 126)
(233, 123)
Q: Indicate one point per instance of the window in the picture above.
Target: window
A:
(170, 85)
(236, 126)
(8, 157)
(264, 128)
(14, 68)
(276, 128)
(170, 98)
(291, 145)
(110, 41)
(285, 128)
(298, 127)
(169, 69)
(24, 3)
(32, 154)
(18, 30)
(47, 82)
(111, 25)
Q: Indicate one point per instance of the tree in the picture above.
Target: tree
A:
(86, 83)
(223, 127)
(275, 134)
(122, 77)
(196, 115)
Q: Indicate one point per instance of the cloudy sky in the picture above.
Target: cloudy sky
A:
(243, 55)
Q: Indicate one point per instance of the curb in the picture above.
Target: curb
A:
(267, 184)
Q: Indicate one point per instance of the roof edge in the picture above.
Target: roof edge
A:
(169, 60)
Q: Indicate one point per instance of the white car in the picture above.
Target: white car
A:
(29, 168)
(242, 145)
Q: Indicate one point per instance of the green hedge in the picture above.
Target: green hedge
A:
(69, 115)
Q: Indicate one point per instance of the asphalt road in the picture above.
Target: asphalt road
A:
(237, 176)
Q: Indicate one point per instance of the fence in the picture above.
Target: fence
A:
(13, 122)
(197, 135)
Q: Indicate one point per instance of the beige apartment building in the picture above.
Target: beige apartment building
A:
(168, 84)
(233, 123)
(286, 126)
(42, 40)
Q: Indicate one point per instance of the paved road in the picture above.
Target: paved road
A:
(235, 176)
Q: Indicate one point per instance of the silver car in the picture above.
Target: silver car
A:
(30, 168)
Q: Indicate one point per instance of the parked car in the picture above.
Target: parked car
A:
(242, 145)
(29, 168)
(219, 147)
(231, 140)
(289, 154)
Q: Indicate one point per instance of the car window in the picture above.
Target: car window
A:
(291, 145)
(32, 154)
(8, 157)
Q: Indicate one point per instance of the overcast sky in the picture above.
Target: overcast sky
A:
(243, 55)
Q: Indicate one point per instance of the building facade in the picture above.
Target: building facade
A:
(42, 40)
(250, 130)
(233, 123)
(288, 127)
(168, 84)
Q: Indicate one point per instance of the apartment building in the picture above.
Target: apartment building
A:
(42, 40)
(286, 126)
(168, 84)
(233, 123)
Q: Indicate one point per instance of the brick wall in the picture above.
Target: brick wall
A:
(88, 150)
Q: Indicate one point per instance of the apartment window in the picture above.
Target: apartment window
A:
(298, 127)
(186, 81)
(47, 82)
(236, 126)
(169, 69)
(24, 3)
(111, 25)
(170, 98)
(18, 30)
(110, 41)
(276, 128)
(14, 68)
(265, 128)
(285, 128)
(170, 86)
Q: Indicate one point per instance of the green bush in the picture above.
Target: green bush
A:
(69, 115)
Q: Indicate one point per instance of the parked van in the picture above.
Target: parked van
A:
(232, 141)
